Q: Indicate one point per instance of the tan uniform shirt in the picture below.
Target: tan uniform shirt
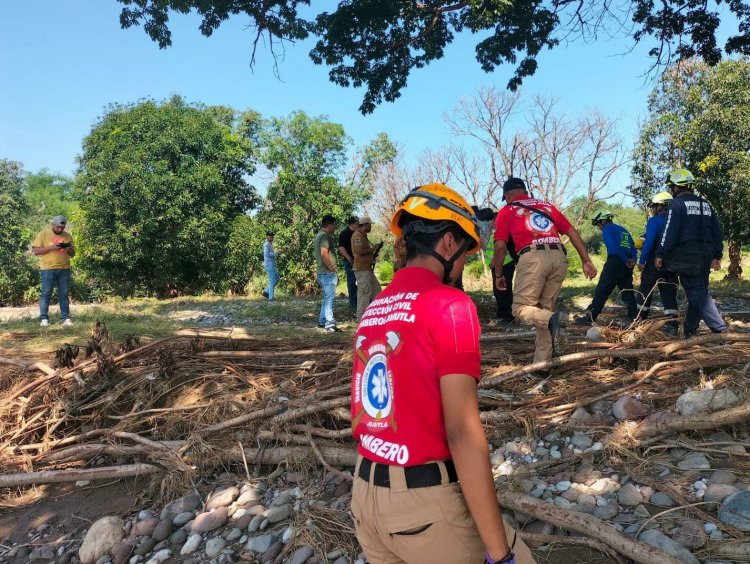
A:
(363, 251)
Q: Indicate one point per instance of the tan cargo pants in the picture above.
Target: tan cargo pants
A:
(539, 276)
(367, 288)
(421, 525)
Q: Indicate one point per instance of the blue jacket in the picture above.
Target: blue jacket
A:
(619, 242)
(654, 227)
(690, 218)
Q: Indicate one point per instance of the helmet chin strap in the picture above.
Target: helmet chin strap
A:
(447, 264)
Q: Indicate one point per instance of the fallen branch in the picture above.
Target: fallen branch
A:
(61, 476)
(585, 524)
(555, 539)
(703, 339)
(500, 377)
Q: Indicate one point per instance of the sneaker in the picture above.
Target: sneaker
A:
(264, 294)
(67, 323)
(321, 325)
(44, 323)
(333, 329)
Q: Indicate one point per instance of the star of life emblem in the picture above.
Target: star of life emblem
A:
(373, 393)
(538, 222)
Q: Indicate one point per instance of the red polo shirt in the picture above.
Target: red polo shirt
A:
(528, 228)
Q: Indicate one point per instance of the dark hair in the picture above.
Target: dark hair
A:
(328, 219)
(352, 219)
(429, 240)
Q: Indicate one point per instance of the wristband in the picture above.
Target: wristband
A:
(509, 558)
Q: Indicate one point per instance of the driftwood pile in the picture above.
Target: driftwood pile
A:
(185, 406)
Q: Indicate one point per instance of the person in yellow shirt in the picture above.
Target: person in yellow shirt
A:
(54, 247)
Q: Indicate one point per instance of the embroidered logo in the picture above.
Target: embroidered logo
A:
(373, 392)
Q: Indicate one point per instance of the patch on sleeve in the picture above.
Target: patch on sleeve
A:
(464, 324)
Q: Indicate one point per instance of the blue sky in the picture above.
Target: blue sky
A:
(61, 63)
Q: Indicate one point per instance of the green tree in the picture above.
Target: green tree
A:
(306, 156)
(48, 194)
(16, 274)
(377, 43)
(699, 117)
(160, 186)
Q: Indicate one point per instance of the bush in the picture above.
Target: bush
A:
(384, 271)
(474, 269)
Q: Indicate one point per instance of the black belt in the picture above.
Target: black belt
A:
(551, 247)
(422, 476)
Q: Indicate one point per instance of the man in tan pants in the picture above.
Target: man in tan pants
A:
(364, 254)
(535, 227)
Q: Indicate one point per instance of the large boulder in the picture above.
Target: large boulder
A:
(103, 535)
(705, 401)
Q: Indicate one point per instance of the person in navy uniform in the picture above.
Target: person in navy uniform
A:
(691, 245)
(617, 271)
(652, 277)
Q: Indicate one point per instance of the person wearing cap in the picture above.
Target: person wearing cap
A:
(364, 254)
(269, 263)
(652, 277)
(617, 271)
(54, 247)
(345, 250)
(691, 245)
(423, 489)
(536, 227)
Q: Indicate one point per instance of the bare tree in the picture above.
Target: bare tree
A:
(560, 158)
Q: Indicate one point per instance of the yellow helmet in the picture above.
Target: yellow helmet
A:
(438, 202)
(639, 242)
(662, 198)
(681, 177)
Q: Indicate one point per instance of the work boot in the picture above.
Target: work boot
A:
(585, 319)
(554, 328)
(264, 294)
(670, 330)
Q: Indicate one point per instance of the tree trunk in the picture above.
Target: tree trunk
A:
(735, 260)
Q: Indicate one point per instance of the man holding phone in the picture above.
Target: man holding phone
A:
(54, 247)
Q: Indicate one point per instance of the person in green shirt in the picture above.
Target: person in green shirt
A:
(325, 262)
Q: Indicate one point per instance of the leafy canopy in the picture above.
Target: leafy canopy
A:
(305, 155)
(699, 117)
(377, 43)
(16, 271)
(160, 186)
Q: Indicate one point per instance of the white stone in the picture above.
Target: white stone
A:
(192, 544)
(705, 401)
(100, 538)
(160, 556)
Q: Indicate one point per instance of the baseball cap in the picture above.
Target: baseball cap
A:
(59, 220)
(513, 183)
(270, 233)
(365, 219)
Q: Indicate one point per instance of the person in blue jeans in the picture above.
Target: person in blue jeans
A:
(269, 263)
(325, 263)
(54, 247)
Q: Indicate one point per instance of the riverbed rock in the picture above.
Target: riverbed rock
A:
(718, 492)
(162, 530)
(189, 502)
(690, 533)
(627, 407)
(222, 498)
(735, 510)
(705, 401)
(210, 520)
(214, 546)
(103, 535)
(662, 499)
(629, 496)
(656, 538)
(192, 544)
(694, 461)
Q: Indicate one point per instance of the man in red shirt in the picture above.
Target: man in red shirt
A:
(414, 402)
(536, 228)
